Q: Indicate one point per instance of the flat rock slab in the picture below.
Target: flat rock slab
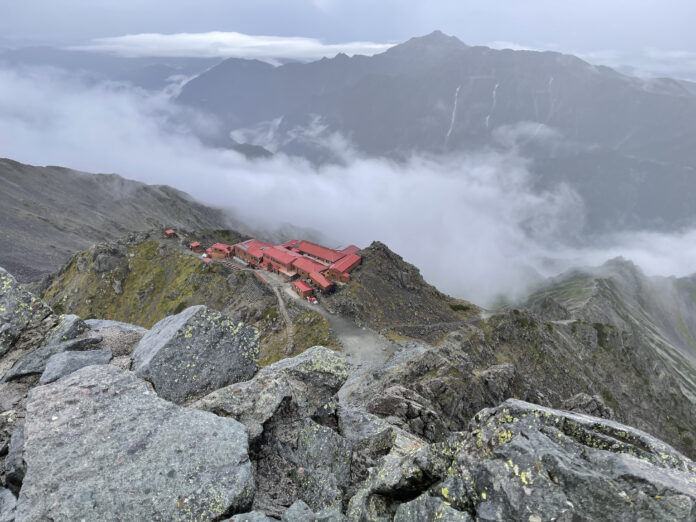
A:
(100, 445)
(7, 505)
(35, 362)
(62, 364)
(191, 354)
(98, 324)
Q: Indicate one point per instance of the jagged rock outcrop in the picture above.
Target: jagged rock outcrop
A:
(100, 444)
(15, 468)
(589, 405)
(196, 352)
(62, 364)
(24, 319)
(289, 408)
(387, 293)
(520, 461)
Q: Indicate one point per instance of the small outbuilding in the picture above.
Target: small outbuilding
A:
(324, 284)
(302, 289)
(196, 247)
(169, 233)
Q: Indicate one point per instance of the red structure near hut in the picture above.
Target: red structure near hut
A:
(220, 251)
(170, 233)
(251, 251)
(302, 289)
(196, 247)
(341, 269)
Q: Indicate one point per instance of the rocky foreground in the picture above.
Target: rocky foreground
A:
(103, 420)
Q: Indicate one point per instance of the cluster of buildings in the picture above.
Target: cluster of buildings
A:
(303, 262)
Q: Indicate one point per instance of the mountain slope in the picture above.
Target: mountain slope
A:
(49, 213)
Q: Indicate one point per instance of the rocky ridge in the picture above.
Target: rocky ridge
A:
(435, 436)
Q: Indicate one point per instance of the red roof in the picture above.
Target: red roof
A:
(302, 286)
(206, 260)
(320, 280)
(291, 244)
(253, 247)
(222, 247)
(169, 231)
(319, 251)
(280, 255)
(196, 244)
(345, 263)
(307, 265)
(350, 249)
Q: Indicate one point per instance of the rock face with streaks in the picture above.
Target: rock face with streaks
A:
(100, 445)
(193, 353)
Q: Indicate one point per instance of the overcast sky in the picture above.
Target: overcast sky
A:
(600, 27)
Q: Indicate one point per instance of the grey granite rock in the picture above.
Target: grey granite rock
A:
(101, 445)
(35, 362)
(200, 350)
(69, 327)
(8, 502)
(62, 364)
(98, 324)
(254, 516)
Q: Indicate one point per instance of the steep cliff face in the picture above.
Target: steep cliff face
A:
(389, 294)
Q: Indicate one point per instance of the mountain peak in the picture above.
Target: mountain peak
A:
(435, 41)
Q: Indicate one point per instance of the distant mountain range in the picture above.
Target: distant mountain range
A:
(624, 143)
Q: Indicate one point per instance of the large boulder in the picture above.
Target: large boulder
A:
(24, 319)
(65, 363)
(200, 350)
(35, 362)
(429, 509)
(309, 381)
(69, 327)
(101, 445)
(294, 457)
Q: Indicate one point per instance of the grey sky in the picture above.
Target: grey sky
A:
(636, 32)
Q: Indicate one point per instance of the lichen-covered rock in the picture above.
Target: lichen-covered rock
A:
(429, 509)
(120, 338)
(298, 512)
(24, 319)
(35, 362)
(69, 327)
(62, 364)
(196, 352)
(15, 468)
(8, 502)
(100, 445)
(98, 324)
(330, 515)
(543, 464)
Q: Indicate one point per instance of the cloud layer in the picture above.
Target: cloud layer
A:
(227, 44)
(472, 224)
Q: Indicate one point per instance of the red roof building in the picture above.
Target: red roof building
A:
(306, 266)
(340, 271)
(251, 251)
(196, 247)
(324, 284)
(221, 251)
(280, 255)
(350, 249)
(326, 255)
(170, 233)
(302, 289)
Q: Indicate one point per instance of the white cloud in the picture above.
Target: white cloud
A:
(226, 44)
(473, 225)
